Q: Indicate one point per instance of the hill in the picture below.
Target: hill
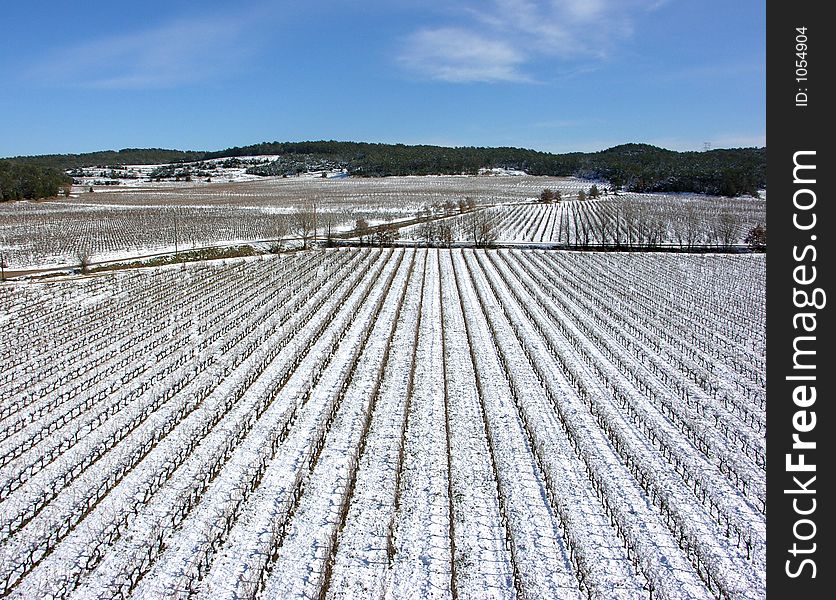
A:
(22, 181)
(634, 167)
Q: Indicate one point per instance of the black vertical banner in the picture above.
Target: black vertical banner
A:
(800, 360)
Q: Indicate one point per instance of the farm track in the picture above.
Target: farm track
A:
(361, 423)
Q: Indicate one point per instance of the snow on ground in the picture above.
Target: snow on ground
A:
(117, 222)
(360, 423)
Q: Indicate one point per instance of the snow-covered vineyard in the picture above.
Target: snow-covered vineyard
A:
(626, 220)
(399, 423)
(107, 226)
(144, 218)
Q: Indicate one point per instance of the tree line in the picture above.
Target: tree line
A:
(632, 167)
(110, 158)
(644, 168)
(632, 223)
(30, 182)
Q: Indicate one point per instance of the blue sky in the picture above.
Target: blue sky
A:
(553, 75)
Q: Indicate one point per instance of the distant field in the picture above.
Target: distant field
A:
(158, 217)
(345, 191)
(368, 423)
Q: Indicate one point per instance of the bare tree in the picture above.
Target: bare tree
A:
(643, 224)
(585, 230)
(84, 261)
(657, 228)
(616, 217)
(756, 237)
(280, 230)
(175, 221)
(394, 235)
(606, 226)
(482, 226)
(726, 228)
(328, 220)
(565, 222)
(315, 225)
(576, 228)
(679, 227)
(651, 225)
(428, 232)
(445, 233)
(385, 236)
(686, 226)
(304, 222)
(631, 218)
(695, 229)
(487, 227)
(361, 228)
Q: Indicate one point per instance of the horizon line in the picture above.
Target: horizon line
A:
(308, 141)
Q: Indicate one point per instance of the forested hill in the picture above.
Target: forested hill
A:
(21, 181)
(128, 156)
(32, 177)
(643, 168)
(635, 167)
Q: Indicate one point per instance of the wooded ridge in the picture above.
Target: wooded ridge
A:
(633, 167)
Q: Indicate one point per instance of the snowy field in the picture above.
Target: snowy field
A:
(139, 221)
(627, 220)
(144, 218)
(398, 423)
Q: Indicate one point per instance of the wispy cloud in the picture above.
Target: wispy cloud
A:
(497, 40)
(452, 54)
(179, 52)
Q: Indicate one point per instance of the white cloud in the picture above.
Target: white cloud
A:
(178, 52)
(583, 10)
(514, 33)
(458, 55)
